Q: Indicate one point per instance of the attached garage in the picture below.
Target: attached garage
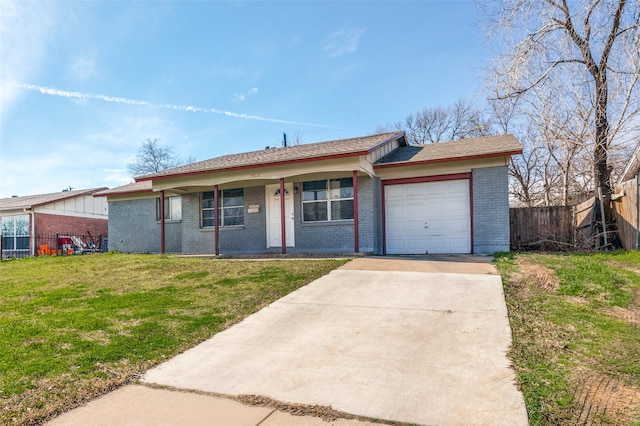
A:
(428, 217)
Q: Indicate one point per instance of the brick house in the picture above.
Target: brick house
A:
(373, 194)
(29, 222)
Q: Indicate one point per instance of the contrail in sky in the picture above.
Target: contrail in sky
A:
(187, 108)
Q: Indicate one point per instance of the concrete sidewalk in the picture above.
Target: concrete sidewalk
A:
(374, 339)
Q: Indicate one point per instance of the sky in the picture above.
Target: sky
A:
(83, 84)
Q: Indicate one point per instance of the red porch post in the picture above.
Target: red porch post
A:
(162, 235)
(216, 225)
(283, 232)
(356, 230)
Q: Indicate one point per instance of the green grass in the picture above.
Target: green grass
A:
(74, 327)
(576, 351)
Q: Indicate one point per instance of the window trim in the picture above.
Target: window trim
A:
(327, 200)
(14, 237)
(222, 208)
(168, 210)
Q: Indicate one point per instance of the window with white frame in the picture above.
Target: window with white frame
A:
(15, 233)
(327, 200)
(172, 208)
(231, 204)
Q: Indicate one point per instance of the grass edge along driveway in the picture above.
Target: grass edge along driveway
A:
(575, 321)
(73, 328)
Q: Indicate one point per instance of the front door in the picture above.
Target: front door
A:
(274, 230)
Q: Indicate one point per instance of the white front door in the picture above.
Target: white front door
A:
(274, 230)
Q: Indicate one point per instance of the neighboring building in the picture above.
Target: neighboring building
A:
(29, 222)
(373, 194)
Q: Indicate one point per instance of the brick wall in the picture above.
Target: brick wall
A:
(133, 228)
(70, 225)
(490, 210)
(338, 236)
(250, 238)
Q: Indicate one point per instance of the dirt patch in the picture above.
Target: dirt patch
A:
(601, 399)
(535, 276)
(623, 266)
(630, 314)
(324, 412)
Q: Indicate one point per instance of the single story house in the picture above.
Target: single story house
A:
(374, 194)
(32, 221)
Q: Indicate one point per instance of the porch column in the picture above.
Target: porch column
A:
(356, 230)
(216, 220)
(283, 232)
(162, 235)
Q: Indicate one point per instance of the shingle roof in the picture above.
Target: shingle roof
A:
(304, 152)
(461, 149)
(42, 199)
(131, 188)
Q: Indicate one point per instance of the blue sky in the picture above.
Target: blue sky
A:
(84, 84)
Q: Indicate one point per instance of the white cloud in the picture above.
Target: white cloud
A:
(344, 41)
(237, 98)
(136, 102)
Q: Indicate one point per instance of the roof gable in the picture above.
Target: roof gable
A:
(29, 201)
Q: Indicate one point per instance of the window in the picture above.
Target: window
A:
(172, 208)
(327, 200)
(231, 203)
(15, 233)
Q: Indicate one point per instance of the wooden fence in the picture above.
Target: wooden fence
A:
(625, 209)
(579, 227)
(541, 228)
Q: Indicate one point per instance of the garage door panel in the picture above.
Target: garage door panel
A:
(431, 217)
(394, 191)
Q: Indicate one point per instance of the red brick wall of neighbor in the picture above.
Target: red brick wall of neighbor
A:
(69, 225)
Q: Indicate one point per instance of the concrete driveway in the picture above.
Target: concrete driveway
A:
(402, 340)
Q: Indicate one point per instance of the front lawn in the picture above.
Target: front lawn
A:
(72, 328)
(575, 321)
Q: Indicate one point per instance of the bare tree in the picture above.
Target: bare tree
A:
(154, 157)
(441, 124)
(561, 47)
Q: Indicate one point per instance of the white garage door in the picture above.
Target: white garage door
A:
(428, 217)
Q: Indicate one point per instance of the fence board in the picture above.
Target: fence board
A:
(541, 228)
(626, 214)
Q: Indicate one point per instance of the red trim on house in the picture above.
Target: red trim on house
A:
(445, 160)
(384, 220)
(356, 230)
(216, 215)
(162, 222)
(471, 211)
(437, 178)
(283, 231)
(253, 166)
